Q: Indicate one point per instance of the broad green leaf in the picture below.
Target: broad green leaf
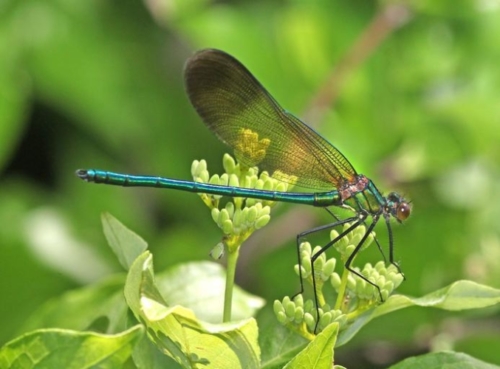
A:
(460, 295)
(126, 244)
(147, 355)
(319, 352)
(178, 334)
(85, 307)
(200, 286)
(58, 348)
(279, 344)
(438, 360)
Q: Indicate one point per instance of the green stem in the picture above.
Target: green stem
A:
(319, 293)
(342, 288)
(232, 260)
(359, 311)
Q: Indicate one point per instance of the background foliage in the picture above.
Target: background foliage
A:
(99, 84)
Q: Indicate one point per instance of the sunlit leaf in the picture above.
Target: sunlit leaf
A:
(200, 286)
(319, 352)
(461, 295)
(127, 245)
(179, 334)
(437, 360)
(58, 348)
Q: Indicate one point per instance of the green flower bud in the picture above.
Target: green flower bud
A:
(318, 264)
(246, 182)
(259, 184)
(278, 307)
(335, 280)
(289, 309)
(310, 321)
(223, 216)
(354, 241)
(299, 314)
(306, 264)
(215, 179)
(389, 286)
(325, 320)
(351, 283)
(299, 300)
(268, 185)
(296, 269)
(203, 177)
(384, 294)
(349, 249)
(252, 171)
(227, 227)
(197, 167)
(305, 247)
(262, 221)
(237, 218)
(281, 316)
(282, 187)
(333, 234)
(380, 266)
(328, 269)
(341, 319)
(215, 215)
(234, 180)
(230, 209)
(252, 214)
(380, 280)
(228, 163)
(309, 306)
(316, 250)
(224, 179)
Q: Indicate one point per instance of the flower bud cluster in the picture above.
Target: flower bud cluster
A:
(239, 217)
(354, 294)
(302, 314)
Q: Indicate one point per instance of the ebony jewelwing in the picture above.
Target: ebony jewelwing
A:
(232, 103)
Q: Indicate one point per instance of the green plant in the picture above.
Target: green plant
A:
(176, 318)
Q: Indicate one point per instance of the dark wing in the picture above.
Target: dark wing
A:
(242, 114)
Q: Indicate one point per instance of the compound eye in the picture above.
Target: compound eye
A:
(403, 211)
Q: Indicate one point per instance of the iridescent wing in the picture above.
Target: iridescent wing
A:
(242, 114)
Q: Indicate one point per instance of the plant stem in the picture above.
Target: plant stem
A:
(232, 260)
(319, 293)
(342, 288)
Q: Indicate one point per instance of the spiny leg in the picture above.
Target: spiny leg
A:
(347, 264)
(358, 221)
(333, 215)
(380, 249)
(391, 247)
(300, 236)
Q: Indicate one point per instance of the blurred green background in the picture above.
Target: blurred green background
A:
(99, 84)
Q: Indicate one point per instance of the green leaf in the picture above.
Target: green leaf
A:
(58, 348)
(319, 352)
(177, 332)
(200, 286)
(279, 344)
(85, 307)
(460, 295)
(126, 244)
(437, 360)
(147, 356)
